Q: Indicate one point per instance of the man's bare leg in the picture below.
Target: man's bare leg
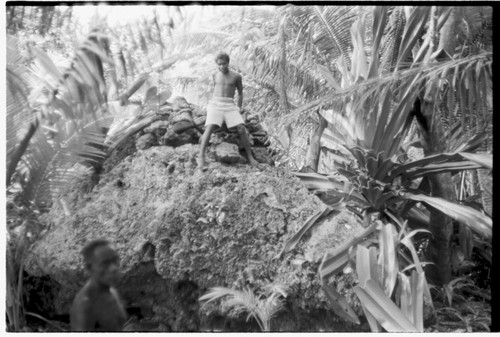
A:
(242, 132)
(204, 142)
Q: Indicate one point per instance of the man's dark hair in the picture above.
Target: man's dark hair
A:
(222, 56)
(88, 250)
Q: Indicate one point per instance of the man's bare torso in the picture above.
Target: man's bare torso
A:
(97, 311)
(225, 85)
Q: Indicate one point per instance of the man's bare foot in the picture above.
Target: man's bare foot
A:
(201, 164)
(253, 162)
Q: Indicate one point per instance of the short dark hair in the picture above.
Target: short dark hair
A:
(88, 250)
(222, 56)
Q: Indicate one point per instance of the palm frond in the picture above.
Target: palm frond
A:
(70, 124)
(47, 163)
(240, 301)
(482, 61)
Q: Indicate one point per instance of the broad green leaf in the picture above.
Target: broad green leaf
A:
(412, 32)
(383, 309)
(408, 242)
(485, 160)
(94, 70)
(292, 242)
(442, 158)
(366, 265)
(417, 286)
(385, 111)
(405, 297)
(339, 304)
(316, 181)
(475, 220)
(388, 258)
(379, 23)
(398, 118)
(383, 169)
(94, 48)
(359, 63)
(443, 17)
(333, 262)
(46, 63)
(432, 169)
(329, 77)
(372, 321)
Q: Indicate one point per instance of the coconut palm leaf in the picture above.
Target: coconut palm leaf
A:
(49, 163)
(21, 122)
(70, 129)
(334, 25)
(420, 72)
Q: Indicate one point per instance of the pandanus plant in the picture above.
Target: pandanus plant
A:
(378, 106)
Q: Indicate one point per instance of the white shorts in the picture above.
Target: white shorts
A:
(223, 109)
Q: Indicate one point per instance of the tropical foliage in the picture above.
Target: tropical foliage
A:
(262, 307)
(353, 91)
(376, 104)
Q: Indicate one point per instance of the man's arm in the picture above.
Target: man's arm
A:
(82, 317)
(239, 88)
(118, 300)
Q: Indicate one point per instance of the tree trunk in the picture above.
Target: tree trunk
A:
(441, 226)
(486, 185)
(439, 250)
(313, 152)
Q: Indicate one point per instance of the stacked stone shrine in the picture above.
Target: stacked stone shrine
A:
(181, 122)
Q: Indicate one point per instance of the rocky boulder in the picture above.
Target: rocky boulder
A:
(180, 231)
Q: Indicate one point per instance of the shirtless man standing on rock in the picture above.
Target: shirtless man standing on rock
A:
(97, 306)
(222, 108)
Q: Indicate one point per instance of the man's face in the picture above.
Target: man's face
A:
(223, 66)
(104, 265)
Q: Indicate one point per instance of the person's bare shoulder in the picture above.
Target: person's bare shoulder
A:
(82, 300)
(236, 75)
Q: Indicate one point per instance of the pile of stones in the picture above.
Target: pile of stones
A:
(180, 122)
